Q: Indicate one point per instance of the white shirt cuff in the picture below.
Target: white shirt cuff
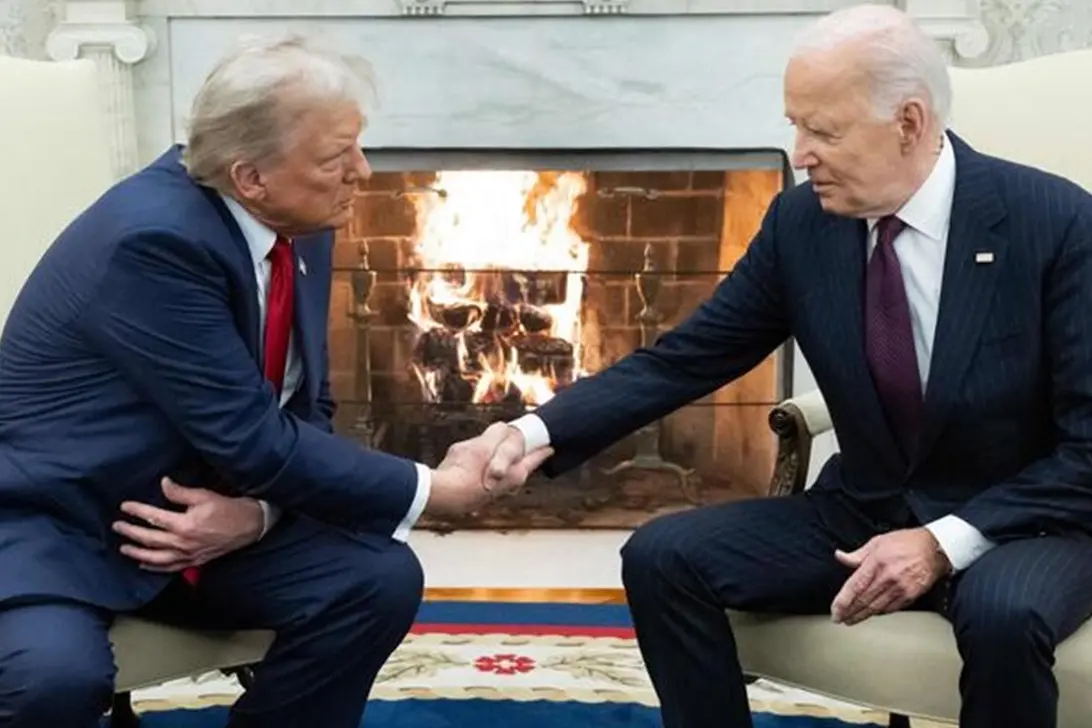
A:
(961, 542)
(417, 507)
(270, 515)
(535, 434)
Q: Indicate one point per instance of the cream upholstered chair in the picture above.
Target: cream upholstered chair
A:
(906, 663)
(54, 162)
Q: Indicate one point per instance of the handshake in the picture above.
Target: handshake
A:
(475, 471)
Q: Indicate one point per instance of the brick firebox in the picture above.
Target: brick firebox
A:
(689, 226)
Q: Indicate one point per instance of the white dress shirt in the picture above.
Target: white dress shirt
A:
(921, 247)
(260, 239)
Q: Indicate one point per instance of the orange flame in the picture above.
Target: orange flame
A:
(497, 302)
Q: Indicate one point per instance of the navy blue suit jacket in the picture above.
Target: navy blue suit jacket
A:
(1007, 442)
(132, 353)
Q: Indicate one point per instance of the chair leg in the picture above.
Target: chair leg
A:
(122, 714)
(898, 721)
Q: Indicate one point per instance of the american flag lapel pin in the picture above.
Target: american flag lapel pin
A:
(303, 267)
(983, 257)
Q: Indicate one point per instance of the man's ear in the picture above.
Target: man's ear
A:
(912, 119)
(248, 181)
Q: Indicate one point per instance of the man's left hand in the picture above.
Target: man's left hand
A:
(211, 526)
(890, 572)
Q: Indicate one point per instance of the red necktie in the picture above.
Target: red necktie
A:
(278, 312)
(278, 328)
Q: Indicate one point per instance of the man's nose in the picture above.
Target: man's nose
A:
(802, 156)
(360, 167)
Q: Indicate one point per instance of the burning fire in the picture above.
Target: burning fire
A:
(498, 296)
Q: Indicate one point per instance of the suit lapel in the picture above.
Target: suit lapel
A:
(847, 238)
(308, 324)
(973, 261)
(247, 313)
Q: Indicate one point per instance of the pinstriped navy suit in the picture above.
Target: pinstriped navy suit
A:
(1007, 444)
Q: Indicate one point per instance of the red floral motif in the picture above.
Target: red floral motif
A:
(507, 664)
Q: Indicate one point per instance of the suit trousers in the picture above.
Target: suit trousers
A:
(1009, 609)
(340, 604)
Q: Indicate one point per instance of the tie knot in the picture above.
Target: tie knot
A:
(888, 228)
(282, 249)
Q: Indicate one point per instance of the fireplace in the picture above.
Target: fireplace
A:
(472, 286)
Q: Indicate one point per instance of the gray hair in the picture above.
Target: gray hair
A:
(899, 58)
(246, 108)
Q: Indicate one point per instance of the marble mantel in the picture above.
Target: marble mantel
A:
(501, 73)
(956, 20)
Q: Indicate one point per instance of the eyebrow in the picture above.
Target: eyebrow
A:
(338, 153)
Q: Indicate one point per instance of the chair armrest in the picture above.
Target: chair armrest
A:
(796, 422)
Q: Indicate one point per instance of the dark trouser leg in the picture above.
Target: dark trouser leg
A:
(1009, 610)
(56, 666)
(681, 571)
(340, 607)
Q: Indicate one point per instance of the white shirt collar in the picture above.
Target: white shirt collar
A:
(259, 238)
(929, 210)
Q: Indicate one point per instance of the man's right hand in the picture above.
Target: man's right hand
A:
(464, 482)
(506, 465)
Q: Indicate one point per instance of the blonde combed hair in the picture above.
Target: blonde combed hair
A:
(246, 108)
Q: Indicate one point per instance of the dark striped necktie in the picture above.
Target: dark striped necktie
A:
(889, 338)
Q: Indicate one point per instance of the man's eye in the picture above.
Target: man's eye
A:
(338, 160)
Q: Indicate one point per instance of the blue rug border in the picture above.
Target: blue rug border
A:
(475, 712)
(525, 613)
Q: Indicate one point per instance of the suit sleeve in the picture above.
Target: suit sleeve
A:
(727, 336)
(1054, 494)
(162, 315)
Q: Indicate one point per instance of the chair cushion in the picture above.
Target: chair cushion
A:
(905, 662)
(148, 653)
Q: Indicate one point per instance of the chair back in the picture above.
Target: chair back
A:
(1034, 112)
(54, 159)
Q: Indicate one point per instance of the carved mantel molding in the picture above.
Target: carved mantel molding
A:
(954, 22)
(129, 42)
(108, 33)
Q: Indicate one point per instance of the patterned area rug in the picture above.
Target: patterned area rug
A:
(536, 665)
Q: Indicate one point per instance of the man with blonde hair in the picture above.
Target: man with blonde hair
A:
(943, 300)
(166, 444)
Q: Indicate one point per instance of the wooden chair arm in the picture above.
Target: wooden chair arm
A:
(796, 422)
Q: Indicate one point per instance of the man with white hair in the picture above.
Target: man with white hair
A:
(943, 300)
(163, 369)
